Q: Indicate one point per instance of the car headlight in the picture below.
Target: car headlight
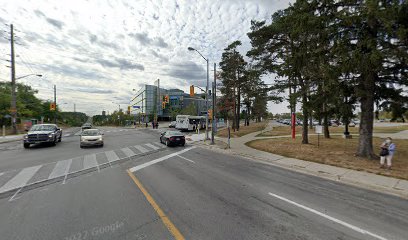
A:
(26, 136)
(51, 135)
(82, 139)
(100, 138)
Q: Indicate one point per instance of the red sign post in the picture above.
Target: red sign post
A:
(293, 125)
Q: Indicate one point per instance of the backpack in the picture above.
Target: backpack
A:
(384, 152)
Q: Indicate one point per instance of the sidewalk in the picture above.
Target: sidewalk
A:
(11, 138)
(361, 179)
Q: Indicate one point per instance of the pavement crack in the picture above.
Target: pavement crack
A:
(276, 207)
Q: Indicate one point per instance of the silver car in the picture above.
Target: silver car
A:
(91, 137)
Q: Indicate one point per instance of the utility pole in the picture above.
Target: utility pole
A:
(206, 102)
(13, 84)
(55, 102)
(74, 108)
(214, 99)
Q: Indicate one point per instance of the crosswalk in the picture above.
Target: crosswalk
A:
(17, 179)
(117, 130)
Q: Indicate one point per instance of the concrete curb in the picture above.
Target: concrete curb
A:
(393, 186)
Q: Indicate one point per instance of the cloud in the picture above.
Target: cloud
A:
(55, 23)
(121, 63)
(145, 40)
(188, 71)
(93, 90)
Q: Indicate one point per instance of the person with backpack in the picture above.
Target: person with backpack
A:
(386, 153)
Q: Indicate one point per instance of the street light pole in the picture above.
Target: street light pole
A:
(206, 91)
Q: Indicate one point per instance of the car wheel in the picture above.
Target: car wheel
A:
(81, 146)
(102, 145)
(26, 145)
(183, 144)
(167, 142)
(59, 139)
(161, 141)
(53, 143)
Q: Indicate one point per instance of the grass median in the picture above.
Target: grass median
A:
(243, 130)
(286, 130)
(336, 151)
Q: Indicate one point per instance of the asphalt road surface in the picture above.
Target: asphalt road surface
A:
(180, 193)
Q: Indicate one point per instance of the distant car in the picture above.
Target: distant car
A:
(86, 126)
(42, 133)
(173, 138)
(91, 137)
(172, 124)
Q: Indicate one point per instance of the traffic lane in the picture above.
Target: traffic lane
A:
(107, 205)
(219, 196)
(67, 149)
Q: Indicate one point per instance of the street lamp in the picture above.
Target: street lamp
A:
(14, 100)
(206, 92)
(38, 75)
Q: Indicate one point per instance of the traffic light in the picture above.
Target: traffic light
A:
(128, 111)
(167, 99)
(163, 105)
(192, 91)
(52, 106)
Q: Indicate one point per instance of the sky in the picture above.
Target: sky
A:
(97, 51)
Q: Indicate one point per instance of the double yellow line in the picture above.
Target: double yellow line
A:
(166, 221)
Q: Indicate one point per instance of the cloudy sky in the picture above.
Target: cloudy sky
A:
(97, 51)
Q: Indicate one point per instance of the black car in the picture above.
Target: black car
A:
(42, 133)
(173, 138)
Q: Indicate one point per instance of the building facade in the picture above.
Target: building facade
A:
(148, 101)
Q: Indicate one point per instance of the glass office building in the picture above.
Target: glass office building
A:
(148, 100)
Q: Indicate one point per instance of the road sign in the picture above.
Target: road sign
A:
(136, 107)
(319, 129)
(52, 106)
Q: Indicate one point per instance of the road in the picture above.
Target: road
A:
(183, 193)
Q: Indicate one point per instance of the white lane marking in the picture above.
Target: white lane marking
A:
(15, 194)
(111, 155)
(67, 170)
(60, 168)
(67, 135)
(2, 173)
(141, 166)
(186, 159)
(128, 152)
(20, 179)
(151, 146)
(161, 145)
(142, 149)
(355, 228)
(90, 161)
(108, 131)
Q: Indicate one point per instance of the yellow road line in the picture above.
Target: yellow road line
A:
(170, 226)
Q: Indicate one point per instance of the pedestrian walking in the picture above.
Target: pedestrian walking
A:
(387, 153)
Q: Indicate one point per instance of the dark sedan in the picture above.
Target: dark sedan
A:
(173, 138)
(42, 133)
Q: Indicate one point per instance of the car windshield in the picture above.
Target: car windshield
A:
(174, 133)
(91, 133)
(42, 128)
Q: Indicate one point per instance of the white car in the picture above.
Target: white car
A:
(91, 137)
(172, 124)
